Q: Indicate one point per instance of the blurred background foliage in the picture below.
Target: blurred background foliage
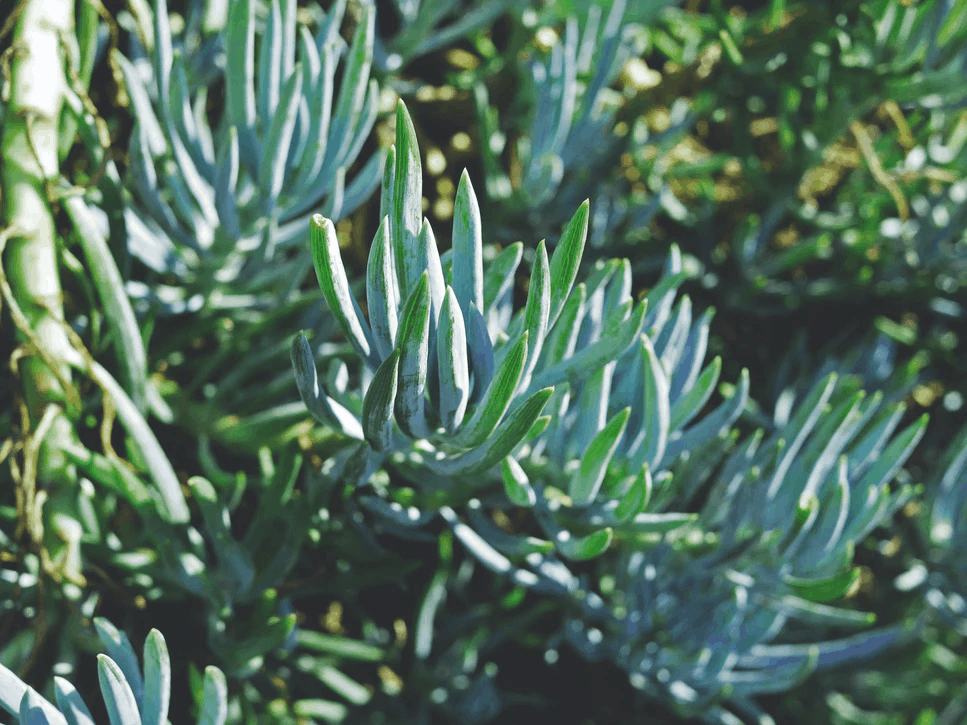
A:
(809, 160)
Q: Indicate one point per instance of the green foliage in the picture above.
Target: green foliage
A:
(511, 465)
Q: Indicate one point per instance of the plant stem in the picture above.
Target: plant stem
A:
(29, 166)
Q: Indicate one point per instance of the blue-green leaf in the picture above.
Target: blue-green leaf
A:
(33, 709)
(335, 286)
(71, 704)
(157, 680)
(584, 547)
(452, 362)
(689, 404)
(499, 277)
(482, 362)
(407, 204)
(468, 278)
(320, 406)
(615, 340)
(516, 484)
(122, 708)
(122, 653)
(566, 260)
(382, 291)
(226, 182)
(379, 403)
(537, 310)
(587, 479)
(214, 703)
(387, 191)
(413, 344)
(564, 335)
(505, 439)
(636, 498)
(490, 410)
(277, 142)
(240, 72)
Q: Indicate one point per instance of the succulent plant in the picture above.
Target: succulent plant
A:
(423, 27)
(131, 695)
(214, 204)
(449, 362)
(565, 140)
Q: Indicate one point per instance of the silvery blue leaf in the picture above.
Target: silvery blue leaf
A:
(214, 704)
(587, 478)
(71, 704)
(366, 119)
(878, 476)
(320, 406)
(122, 708)
(288, 37)
(661, 297)
(711, 425)
(562, 340)
(226, 184)
(378, 405)
(688, 405)
(686, 372)
(184, 117)
(504, 440)
(537, 310)
(468, 279)
(491, 409)
(163, 54)
(335, 286)
(649, 445)
(616, 340)
(454, 368)
(156, 142)
(240, 78)
(566, 260)
(382, 291)
(413, 343)
(407, 217)
(119, 648)
(363, 183)
(270, 62)
(34, 710)
(482, 362)
(277, 142)
(868, 449)
(157, 680)
(353, 91)
(671, 341)
(798, 429)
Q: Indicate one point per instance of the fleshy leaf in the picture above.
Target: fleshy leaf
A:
(379, 403)
(587, 479)
(452, 362)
